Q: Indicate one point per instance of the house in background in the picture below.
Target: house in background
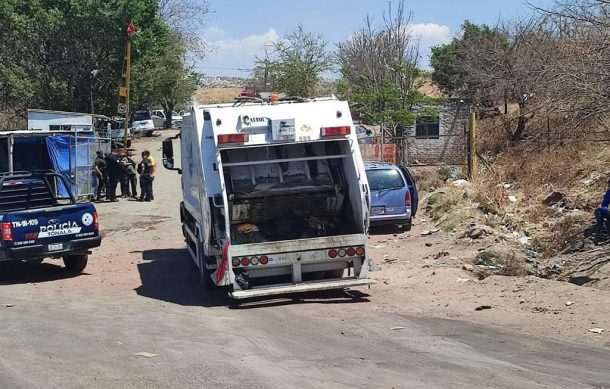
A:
(438, 140)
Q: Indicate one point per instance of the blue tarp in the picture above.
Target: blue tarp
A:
(71, 160)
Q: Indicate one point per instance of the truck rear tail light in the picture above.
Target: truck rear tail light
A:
(7, 231)
(254, 261)
(408, 199)
(335, 131)
(264, 259)
(245, 261)
(235, 262)
(332, 253)
(232, 138)
(96, 224)
(360, 251)
(342, 252)
(351, 252)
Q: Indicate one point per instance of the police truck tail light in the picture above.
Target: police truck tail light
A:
(263, 259)
(96, 224)
(332, 253)
(360, 251)
(254, 260)
(351, 252)
(7, 231)
(232, 138)
(408, 199)
(235, 262)
(342, 252)
(335, 131)
(245, 261)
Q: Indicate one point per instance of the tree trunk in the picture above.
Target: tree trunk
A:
(169, 108)
(521, 123)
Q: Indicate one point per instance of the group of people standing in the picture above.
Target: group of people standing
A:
(112, 169)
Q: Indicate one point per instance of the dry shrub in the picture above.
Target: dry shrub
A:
(427, 178)
(565, 231)
(503, 261)
(443, 202)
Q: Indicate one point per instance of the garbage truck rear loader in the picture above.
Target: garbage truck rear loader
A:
(275, 196)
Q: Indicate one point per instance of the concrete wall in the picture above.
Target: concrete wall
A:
(451, 146)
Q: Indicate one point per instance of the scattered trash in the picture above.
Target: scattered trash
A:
(460, 182)
(464, 279)
(512, 199)
(397, 328)
(8, 305)
(430, 232)
(146, 355)
(482, 307)
(596, 330)
(467, 267)
(580, 278)
(441, 254)
(378, 246)
(568, 303)
(428, 244)
(508, 185)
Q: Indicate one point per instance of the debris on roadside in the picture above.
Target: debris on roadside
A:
(568, 303)
(430, 232)
(596, 330)
(397, 328)
(477, 231)
(482, 307)
(146, 354)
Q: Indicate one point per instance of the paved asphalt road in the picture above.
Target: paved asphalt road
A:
(80, 332)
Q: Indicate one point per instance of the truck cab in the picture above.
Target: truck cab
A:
(276, 198)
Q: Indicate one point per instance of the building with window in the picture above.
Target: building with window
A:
(437, 140)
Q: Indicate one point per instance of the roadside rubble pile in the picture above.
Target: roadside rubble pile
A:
(547, 236)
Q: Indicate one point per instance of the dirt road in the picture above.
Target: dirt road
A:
(140, 294)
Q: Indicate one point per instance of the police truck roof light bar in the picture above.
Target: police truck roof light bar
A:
(232, 138)
(326, 132)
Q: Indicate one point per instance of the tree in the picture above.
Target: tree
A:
(379, 71)
(68, 55)
(297, 63)
(174, 81)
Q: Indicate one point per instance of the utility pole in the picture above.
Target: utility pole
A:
(123, 107)
(472, 145)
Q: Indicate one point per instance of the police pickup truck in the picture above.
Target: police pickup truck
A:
(37, 223)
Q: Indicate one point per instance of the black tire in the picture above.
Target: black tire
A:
(76, 263)
(407, 226)
(149, 133)
(205, 279)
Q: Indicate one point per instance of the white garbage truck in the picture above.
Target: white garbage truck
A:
(275, 196)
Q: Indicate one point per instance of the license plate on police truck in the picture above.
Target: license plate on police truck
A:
(56, 246)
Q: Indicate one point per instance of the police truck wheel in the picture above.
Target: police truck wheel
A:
(75, 263)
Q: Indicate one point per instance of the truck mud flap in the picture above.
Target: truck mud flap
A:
(309, 286)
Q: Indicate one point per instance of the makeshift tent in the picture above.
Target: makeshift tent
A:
(73, 157)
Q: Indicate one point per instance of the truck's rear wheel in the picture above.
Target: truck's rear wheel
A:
(75, 263)
(205, 279)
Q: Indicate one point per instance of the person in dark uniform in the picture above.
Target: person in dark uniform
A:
(100, 173)
(114, 169)
(146, 178)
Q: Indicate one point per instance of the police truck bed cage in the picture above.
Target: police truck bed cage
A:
(30, 189)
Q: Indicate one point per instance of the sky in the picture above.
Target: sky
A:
(238, 31)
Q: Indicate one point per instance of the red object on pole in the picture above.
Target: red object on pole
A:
(131, 29)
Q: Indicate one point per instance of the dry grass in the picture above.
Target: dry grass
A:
(216, 95)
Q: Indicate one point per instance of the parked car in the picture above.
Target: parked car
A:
(158, 117)
(393, 194)
(141, 121)
(364, 134)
